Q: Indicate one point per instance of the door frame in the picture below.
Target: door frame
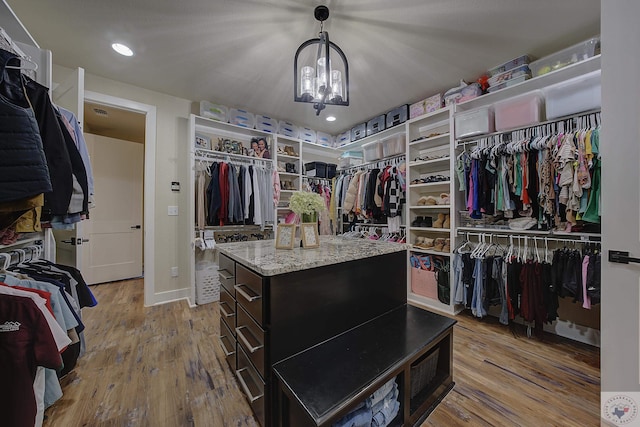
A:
(149, 182)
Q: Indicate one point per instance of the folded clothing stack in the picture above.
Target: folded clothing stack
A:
(378, 410)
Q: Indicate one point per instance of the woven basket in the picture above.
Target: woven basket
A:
(423, 372)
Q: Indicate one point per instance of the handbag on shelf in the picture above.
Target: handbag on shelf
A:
(423, 277)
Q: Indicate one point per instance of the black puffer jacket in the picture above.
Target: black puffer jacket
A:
(23, 167)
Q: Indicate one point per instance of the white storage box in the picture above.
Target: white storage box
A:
(568, 56)
(475, 122)
(324, 139)
(510, 82)
(266, 123)
(372, 151)
(393, 145)
(241, 118)
(207, 282)
(343, 139)
(579, 94)
(288, 129)
(214, 111)
(308, 135)
(519, 111)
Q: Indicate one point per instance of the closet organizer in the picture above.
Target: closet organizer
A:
(528, 213)
(373, 194)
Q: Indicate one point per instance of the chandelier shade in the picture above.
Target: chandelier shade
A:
(321, 70)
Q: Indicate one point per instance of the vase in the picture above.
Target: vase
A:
(312, 217)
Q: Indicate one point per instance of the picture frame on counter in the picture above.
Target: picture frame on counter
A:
(309, 233)
(285, 236)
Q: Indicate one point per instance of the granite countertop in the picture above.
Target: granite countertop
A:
(263, 257)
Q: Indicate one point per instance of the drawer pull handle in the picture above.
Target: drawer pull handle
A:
(246, 342)
(225, 274)
(251, 397)
(250, 298)
(224, 348)
(225, 312)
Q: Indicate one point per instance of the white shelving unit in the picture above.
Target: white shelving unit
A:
(430, 148)
(563, 327)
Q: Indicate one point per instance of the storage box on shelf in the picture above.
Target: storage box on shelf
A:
(521, 110)
(571, 55)
(475, 122)
(376, 125)
(582, 93)
(509, 65)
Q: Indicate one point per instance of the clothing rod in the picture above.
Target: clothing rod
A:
(264, 163)
(474, 139)
(201, 153)
(375, 162)
(543, 238)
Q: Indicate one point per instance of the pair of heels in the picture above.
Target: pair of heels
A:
(443, 221)
(286, 185)
(443, 199)
(289, 151)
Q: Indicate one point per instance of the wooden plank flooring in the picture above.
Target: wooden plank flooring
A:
(162, 366)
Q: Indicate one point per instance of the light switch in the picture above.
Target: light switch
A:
(173, 210)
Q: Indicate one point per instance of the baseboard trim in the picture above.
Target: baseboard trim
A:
(172, 296)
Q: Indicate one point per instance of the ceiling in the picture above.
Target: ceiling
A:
(240, 52)
(114, 122)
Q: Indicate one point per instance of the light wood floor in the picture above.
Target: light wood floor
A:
(162, 366)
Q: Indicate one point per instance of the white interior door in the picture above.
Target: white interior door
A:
(115, 232)
(69, 243)
(620, 147)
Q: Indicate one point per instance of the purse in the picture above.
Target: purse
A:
(423, 277)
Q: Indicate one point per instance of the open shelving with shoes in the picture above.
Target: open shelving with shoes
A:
(429, 187)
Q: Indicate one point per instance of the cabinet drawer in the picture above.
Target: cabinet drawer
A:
(228, 344)
(249, 292)
(228, 309)
(252, 339)
(252, 386)
(227, 273)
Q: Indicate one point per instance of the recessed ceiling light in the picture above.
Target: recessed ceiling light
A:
(122, 49)
(331, 118)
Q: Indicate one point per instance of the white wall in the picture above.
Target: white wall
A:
(620, 193)
(171, 233)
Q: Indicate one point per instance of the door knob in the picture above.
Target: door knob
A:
(136, 227)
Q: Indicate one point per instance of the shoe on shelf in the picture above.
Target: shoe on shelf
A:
(419, 242)
(439, 244)
(427, 222)
(444, 199)
(447, 245)
(422, 201)
(428, 243)
(417, 222)
(439, 223)
(447, 221)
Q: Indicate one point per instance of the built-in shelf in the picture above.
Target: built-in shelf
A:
(429, 141)
(289, 174)
(287, 191)
(222, 129)
(429, 251)
(431, 304)
(441, 160)
(535, 83)
(438, 230)
(444, 110)
(374, 137)
(374, 162)
(430, 207)
(21, 242)
(286, 156)
(431, 184)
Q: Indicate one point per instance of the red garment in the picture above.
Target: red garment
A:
(224, 192)
(25, 343)
(44, 294)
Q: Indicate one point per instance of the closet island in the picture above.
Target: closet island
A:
(278, 303)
